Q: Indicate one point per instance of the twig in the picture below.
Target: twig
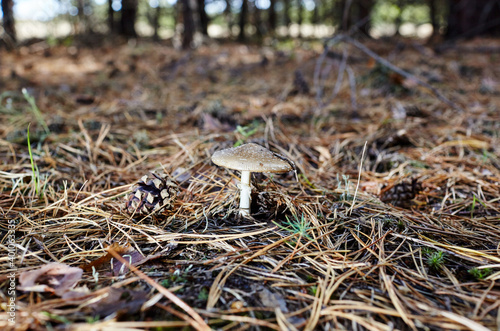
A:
(400, 71)
(197, 322)
(359, 179)
(352, 84)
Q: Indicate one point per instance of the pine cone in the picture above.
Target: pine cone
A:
(400, 194)
(151, 194)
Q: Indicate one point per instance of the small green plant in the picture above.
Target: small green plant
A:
(473, 205)
(345, 196)
(400, 225)
(34, 169)
(95, 275)
(177, 277)
(435, 260)
(312, 290)
(60, 319)
(36, 111)
(297, 226)
(246, 132)
(308, 182)
(480, 274)
(92, 319)
(203, 295)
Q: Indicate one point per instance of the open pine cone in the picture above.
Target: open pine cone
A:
(151, 194)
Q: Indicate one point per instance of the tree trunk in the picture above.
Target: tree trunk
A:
(346, 15)
(286, 13)
(8, 19)
(433, 16)
(365, 10)
(315, 15)
(271, 19)
(229, 17)
(189, 27)
(156, 22)
(300, 18)
(398, 20)
(128, 17)
(468, 18)
(204, 20)
(243, 20)
(257, 21)
(111, 17)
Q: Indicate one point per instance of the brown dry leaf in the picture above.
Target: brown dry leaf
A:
(273, 300)
(324, 153)
(117, 300)
(56, 278)
(103, 260)
(132, 256)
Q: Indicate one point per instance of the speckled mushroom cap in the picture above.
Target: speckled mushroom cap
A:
(252, 157)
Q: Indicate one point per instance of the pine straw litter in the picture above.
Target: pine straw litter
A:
(392, 221)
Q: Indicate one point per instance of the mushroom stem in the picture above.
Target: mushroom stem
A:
(245, 191)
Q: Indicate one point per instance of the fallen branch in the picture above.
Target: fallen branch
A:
(386, 63)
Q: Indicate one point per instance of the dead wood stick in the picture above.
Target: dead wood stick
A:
(194, 319)
(400, 71)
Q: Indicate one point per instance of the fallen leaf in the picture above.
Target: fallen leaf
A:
(56, 278)
(118, 300)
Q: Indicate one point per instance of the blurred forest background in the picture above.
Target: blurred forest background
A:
(188, 22)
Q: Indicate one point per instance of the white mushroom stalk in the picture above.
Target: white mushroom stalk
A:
(250, 158)
(245, 193)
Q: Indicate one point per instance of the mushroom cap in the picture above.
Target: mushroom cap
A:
(252, 157)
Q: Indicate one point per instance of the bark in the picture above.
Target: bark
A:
(286, 13)
(300, 18)
(243, 20)
(156, 22)
(8, 19)
(111, 17)
(228, 16)
(365, 9)
(315, 16)
(271, 20)
(128, 18)
(346, 15)
(189, 26)
(433, 16)
(204, 20)
(257, 21)
(469, 18)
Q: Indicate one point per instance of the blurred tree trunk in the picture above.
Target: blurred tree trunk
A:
(156, 22)
(433, 16)
(243, 20)
(345, 6)
(271, 19)
(257, 21)
(398, 20)
(315, 15)
(286, 13)
(188, 22)
(8, 19)
(80, 24)
(111, 17)
(204, 20)
(365, 10)
(300, 16)
(468, 18)
(83, 24)
(128, 18)
(229, 17)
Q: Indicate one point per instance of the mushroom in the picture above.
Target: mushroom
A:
(250, 158)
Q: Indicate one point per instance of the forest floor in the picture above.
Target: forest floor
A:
(392, 220)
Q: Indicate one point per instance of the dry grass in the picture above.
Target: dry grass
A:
(413, 244)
